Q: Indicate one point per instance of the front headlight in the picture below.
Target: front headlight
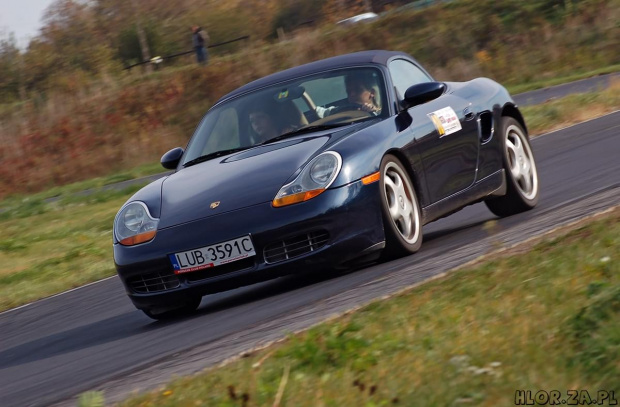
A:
(315, 178)
(134, 224)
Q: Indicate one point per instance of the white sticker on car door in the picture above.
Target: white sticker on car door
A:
(446, 121)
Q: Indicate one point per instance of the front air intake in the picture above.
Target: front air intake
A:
(296, 246)
(153, 282)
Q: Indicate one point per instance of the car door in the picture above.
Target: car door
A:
(445, 134)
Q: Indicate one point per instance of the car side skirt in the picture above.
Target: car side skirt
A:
(490, 186)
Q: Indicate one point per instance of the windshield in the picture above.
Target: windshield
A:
(329, 99)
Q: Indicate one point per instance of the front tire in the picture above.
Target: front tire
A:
(522, 189)
(168, 313)
(402, 217)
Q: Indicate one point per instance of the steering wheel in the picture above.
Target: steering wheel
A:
(312, 116)
(349, 107)
(348, 115)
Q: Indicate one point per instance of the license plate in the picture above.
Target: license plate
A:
(212, 256)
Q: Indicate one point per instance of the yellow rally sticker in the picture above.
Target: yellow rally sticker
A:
(446, 121)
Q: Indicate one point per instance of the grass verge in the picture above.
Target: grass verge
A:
(47, 248)
(572, 109)
(545, 321)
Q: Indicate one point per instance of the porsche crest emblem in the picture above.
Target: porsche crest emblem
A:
(215, 204)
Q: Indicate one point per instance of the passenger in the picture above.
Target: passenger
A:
(269, 121)
(263, 124)
(362, 94)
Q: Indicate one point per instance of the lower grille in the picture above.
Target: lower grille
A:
(153, 282)
(295, 246)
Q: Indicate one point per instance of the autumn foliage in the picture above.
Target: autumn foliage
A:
(70, 112)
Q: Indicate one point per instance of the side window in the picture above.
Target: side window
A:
(326, 90)
(405, 74)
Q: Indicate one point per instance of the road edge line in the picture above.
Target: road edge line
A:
(55, 295)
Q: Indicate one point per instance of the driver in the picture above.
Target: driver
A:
(362, 94)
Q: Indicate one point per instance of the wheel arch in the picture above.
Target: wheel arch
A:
(511, 110)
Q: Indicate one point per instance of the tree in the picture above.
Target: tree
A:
(70, 41)
(10, 59)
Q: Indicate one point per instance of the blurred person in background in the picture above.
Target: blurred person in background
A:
(199, 42)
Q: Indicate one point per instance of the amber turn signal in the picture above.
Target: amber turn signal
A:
(369, 179)
(296, 198)
(137, 239)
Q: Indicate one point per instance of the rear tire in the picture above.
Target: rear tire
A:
(402, 217)
(182, 310)
(522, 187)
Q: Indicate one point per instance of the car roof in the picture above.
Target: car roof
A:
(380, 57)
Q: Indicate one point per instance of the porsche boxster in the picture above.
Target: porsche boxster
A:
(326, 165)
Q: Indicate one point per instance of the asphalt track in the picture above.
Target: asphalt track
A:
(93, 338)
(587, 85)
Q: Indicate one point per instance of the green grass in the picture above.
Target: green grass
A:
(91, 399)
(44, 202)
(48, 248)
(542, 321)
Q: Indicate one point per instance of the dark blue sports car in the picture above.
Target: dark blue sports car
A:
(329, 164)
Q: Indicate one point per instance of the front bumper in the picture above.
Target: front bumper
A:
(348, 220)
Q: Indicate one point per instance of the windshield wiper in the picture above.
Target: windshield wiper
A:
(215, 154)
(308, 129)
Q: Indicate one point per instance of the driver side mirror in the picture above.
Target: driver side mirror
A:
(171, 159)
(422, 93)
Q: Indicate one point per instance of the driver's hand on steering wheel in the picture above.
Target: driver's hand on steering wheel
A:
(369, 107)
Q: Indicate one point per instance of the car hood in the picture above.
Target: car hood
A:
(236, 181)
